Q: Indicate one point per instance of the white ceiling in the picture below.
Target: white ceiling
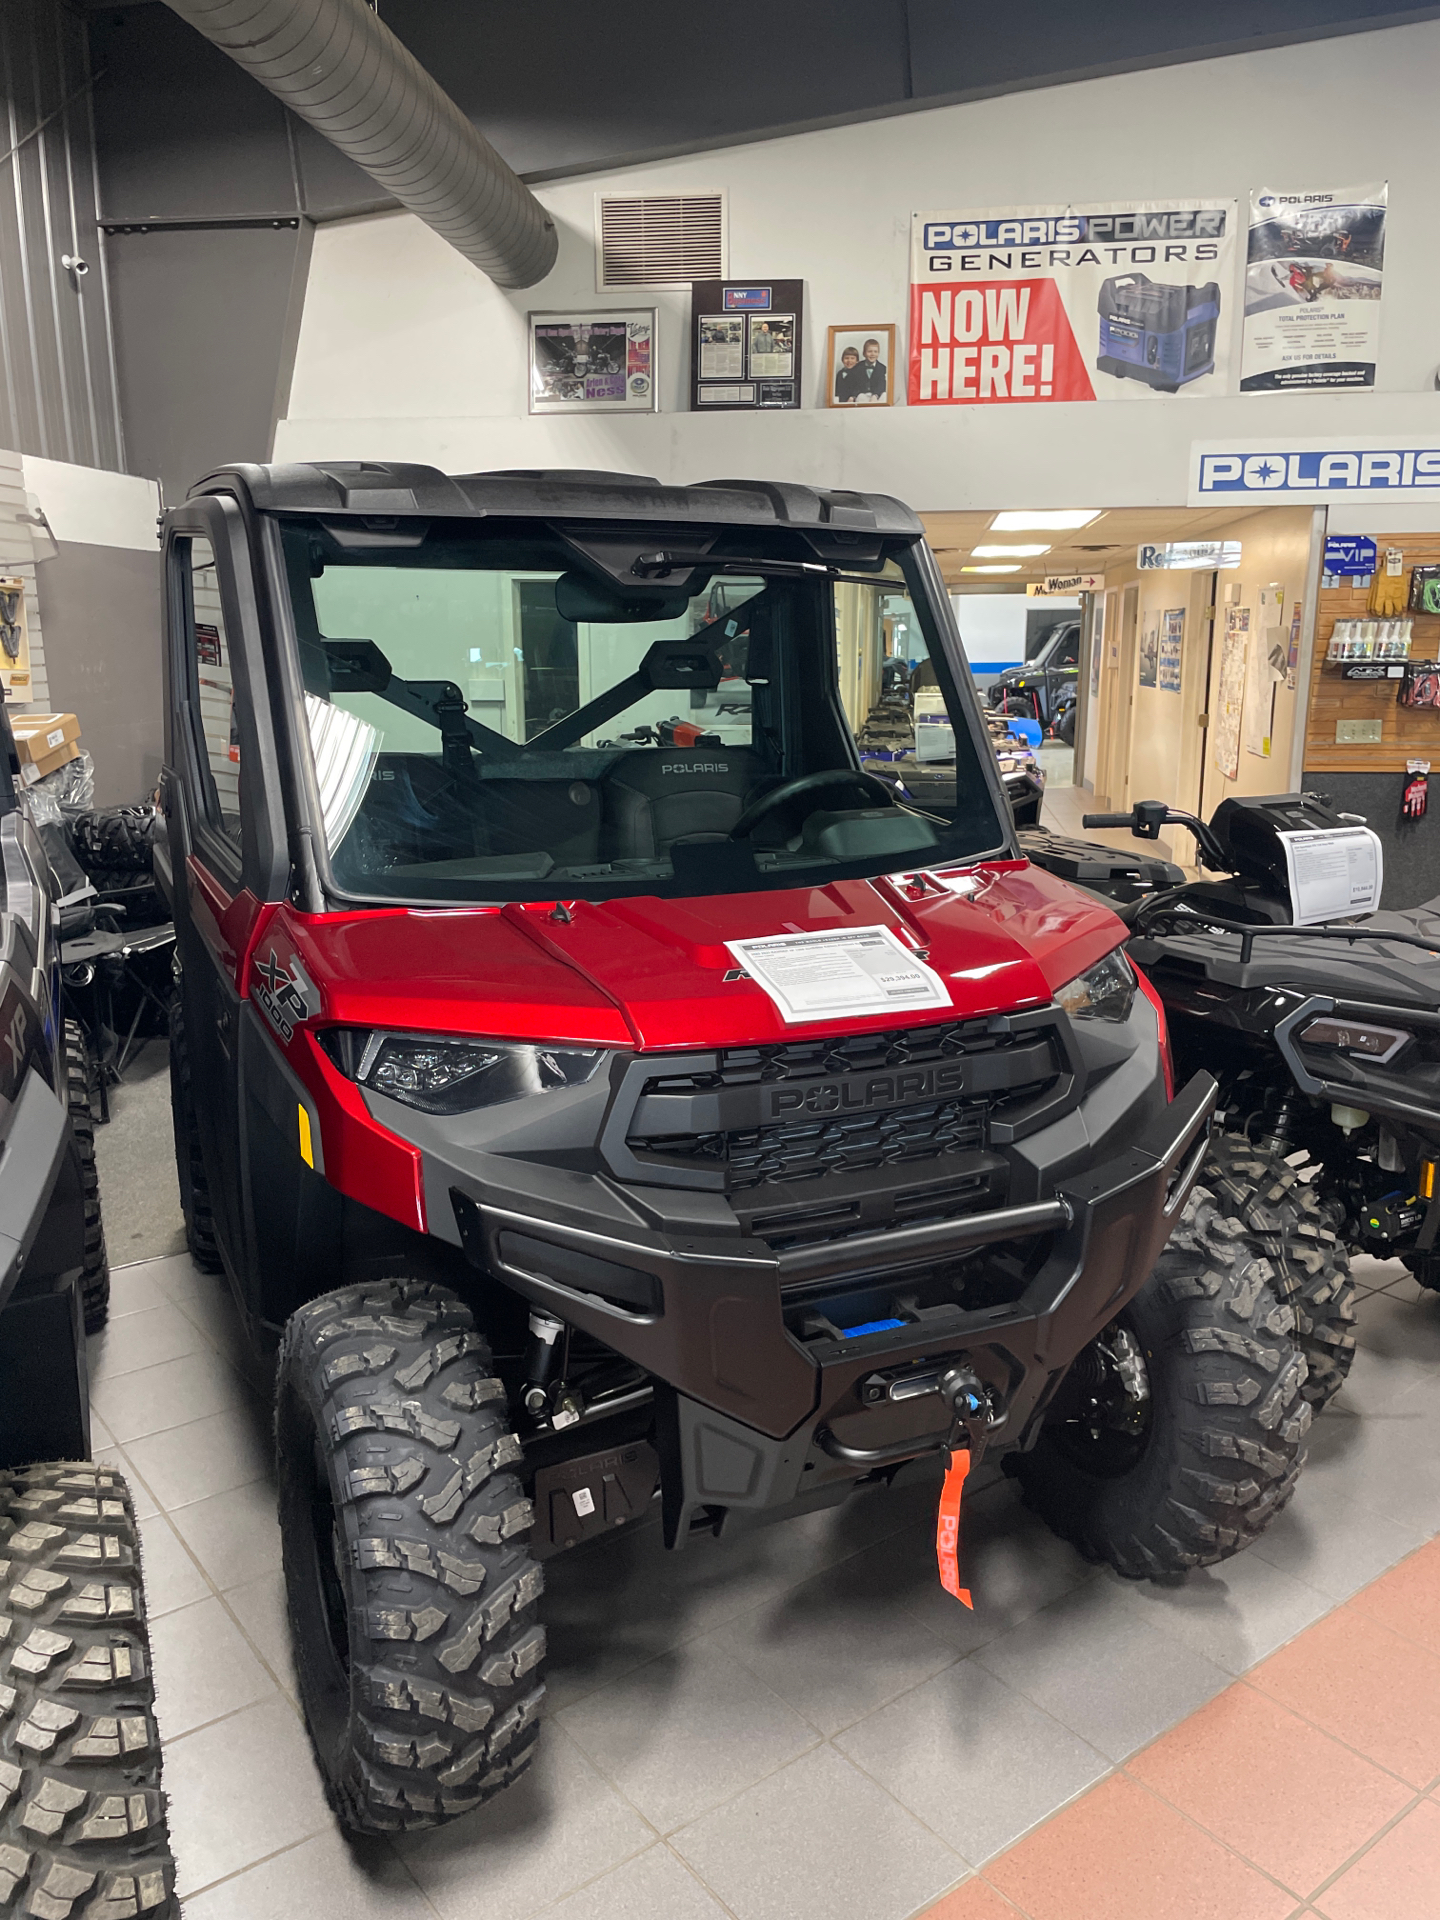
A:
(1106, 542)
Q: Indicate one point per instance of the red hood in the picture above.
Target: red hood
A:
(651, 972)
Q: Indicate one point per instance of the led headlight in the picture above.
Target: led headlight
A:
(1105, 991)
(440, 1073)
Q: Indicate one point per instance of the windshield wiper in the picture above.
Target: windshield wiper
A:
(661, 564)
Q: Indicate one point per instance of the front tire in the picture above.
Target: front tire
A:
(411, 1590)
(1177, 1436)
(1065, 728)
(79, 1082)
(1310, 1267)
(82, 1831)
(189, 1160)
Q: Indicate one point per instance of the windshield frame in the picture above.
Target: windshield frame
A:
(320, 891)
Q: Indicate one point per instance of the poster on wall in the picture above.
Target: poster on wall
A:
(1234, 649)
(746, 344)
(1150, 650)
(1313, 277)
(1047, 304)
(1172, 631)
(593, 362)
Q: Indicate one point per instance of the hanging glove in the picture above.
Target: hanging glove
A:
(1389, 584)
(1417, 791)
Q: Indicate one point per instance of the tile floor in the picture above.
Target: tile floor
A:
(798, 1722)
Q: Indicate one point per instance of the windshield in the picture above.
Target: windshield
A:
(489, 721)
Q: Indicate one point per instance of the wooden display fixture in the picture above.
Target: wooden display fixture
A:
(1405, 731)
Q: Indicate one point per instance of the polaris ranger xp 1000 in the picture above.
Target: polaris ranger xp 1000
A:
(607, 1092)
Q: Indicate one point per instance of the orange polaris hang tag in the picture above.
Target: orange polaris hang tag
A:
(947, 1528)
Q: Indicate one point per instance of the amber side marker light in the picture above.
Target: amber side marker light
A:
(1426, 1183)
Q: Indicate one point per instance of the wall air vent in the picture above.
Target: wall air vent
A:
(669, 239)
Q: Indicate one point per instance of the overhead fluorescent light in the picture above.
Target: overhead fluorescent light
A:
(1014, 569)
(1007, 553)
(1045, 520)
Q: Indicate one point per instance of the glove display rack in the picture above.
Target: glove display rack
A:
(1376, 667)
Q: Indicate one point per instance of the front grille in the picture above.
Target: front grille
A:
(827, 1137)
(847, 1053)
(854, 1143)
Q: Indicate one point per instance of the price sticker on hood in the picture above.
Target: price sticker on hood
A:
(839, 975)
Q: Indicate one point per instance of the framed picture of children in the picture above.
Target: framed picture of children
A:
(860, 367)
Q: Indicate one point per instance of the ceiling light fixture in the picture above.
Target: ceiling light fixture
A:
(1046, 520)
(1014, 569)
(1008, 553)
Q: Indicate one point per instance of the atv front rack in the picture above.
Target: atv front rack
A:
(1193, 922)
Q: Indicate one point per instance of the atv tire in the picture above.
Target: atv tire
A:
(1310, 1265)
(1065, 728)
(1219, 1447)
(411, 1589)
(83, 1834)
(110, 837)
(189, 1161)
(79, 1087)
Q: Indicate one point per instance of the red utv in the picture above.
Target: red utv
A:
(608, 1093)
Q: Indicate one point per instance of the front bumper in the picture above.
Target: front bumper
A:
(770, 1397)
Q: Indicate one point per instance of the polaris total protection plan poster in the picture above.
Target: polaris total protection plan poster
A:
(1036, 304)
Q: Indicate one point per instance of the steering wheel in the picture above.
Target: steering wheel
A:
(809, 783)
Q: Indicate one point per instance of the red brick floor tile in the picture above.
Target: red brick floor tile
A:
(1371, 1689)
(1407, 1599)
(976, 1900)
(1268, 1784)
(1398, 1879)
(1121, 1854)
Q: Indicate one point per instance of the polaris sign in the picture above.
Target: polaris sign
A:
(1312, 472)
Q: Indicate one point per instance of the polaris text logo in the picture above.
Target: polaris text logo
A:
(1070, 229)
(695, 766)
(856, 1095)
(1369, 470)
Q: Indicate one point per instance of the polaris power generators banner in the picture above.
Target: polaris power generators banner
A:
(1038, 304)
(1313, 276)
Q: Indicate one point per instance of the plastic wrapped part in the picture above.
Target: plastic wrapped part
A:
(71, 881)
(345, 749)
(72, 785)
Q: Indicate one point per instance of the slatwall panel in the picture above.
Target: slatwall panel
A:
(1409, 732)
(216, 688)
(17, 560)
(57, 379)
(649, 240)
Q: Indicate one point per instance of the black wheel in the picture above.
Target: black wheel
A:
(83, 1829)
(115, 837)
(411, 1588)
(1065, 727)
(79, 1098)
(1017, 704)
(1424, 1266)
(1176, 1437)
(189, 1161)
(1310, 1265)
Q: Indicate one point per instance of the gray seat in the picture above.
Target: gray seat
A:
(657, 797)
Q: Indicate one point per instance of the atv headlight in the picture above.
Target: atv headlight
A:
(1105, 991)
(440, 1073)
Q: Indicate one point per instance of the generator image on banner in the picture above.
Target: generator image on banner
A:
(1163, 335)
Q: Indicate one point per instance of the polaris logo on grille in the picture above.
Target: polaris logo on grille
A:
(855, 1095)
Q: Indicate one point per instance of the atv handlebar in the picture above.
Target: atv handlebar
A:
(1146, 819)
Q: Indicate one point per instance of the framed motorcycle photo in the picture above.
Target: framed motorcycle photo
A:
(593, 362)
(859, 367)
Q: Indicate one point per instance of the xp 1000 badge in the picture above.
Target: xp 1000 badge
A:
(284, 993)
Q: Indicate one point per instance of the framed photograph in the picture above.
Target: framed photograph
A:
(746, 344)
(593, 362)
(860, 367)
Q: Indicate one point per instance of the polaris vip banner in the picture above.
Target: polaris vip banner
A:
(1313, 278)
(1041, 304)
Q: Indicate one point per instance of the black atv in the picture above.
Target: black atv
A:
(82, 1818)
(1045, 688)
(1325, 1041)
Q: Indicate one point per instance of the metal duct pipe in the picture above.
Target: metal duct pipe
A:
(340, 68)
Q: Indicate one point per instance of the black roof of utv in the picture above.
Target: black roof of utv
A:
(373, 488)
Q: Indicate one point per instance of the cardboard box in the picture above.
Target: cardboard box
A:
(44, 741)
(33, 770)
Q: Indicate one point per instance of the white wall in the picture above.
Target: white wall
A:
(407, 352)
